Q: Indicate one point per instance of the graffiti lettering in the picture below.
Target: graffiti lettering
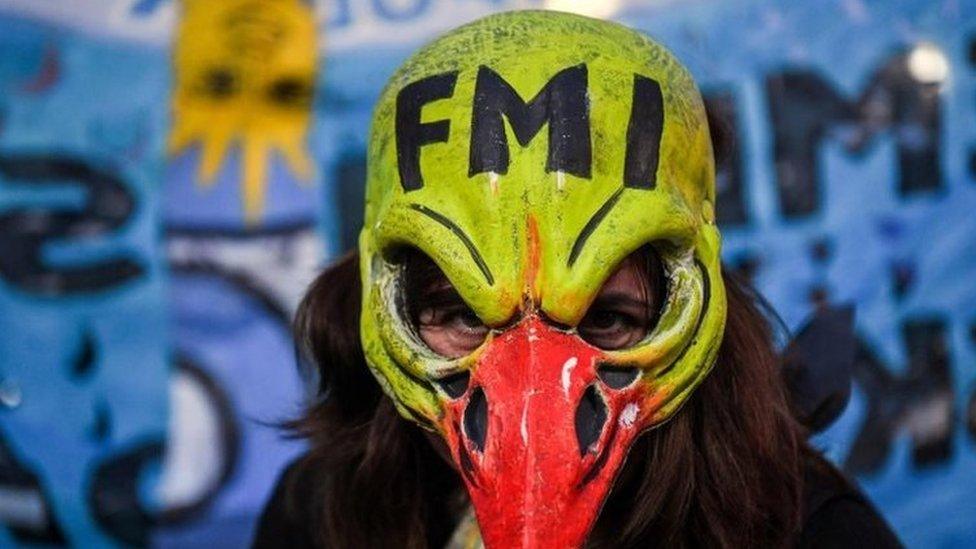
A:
(390, 10)
(971, 411)
(921, 401)
(114, 494)
(972, 150)
(729, 184)
(804, 109)
(344, 13)
(25, 231)
(24, 505)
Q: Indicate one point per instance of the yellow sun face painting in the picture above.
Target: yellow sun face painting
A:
(244, 77)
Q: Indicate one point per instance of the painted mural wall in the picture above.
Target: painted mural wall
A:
(172, 174)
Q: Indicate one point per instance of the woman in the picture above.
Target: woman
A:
(565, 362)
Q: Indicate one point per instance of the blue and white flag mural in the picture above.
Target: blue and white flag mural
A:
(172, 174)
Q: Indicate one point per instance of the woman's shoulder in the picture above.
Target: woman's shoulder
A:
(288, 516)
(837, 515)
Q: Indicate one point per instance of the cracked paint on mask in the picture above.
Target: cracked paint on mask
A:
(528, 154)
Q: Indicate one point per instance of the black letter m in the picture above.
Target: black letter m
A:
(562, 104)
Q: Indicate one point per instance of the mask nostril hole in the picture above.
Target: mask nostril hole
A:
(591, 414)
(455, 384)
(476, 419)
(617, 377)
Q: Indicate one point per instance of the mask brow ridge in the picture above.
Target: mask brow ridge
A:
(592, 224)
(451, 226)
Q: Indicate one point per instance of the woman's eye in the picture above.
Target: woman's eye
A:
(610, 329)
(451, 331)
(462, 319)
(442, 319)
(470, 320)
(606, 320)
(626, 308)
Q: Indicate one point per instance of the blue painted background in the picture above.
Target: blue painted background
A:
(135, 410)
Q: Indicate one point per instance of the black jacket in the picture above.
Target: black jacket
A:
(836, 515)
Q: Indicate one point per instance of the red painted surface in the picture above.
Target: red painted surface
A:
(531, 487)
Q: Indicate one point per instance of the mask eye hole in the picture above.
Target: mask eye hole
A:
(476, 419)
(456, 385)
(628, 305)
(438, 314)
(591, 415)
(617, 377)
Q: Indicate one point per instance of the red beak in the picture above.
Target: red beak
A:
(539, 436)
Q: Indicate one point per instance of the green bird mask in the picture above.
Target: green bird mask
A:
(527, 154)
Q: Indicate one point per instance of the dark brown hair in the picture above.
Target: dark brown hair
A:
(724, 472)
